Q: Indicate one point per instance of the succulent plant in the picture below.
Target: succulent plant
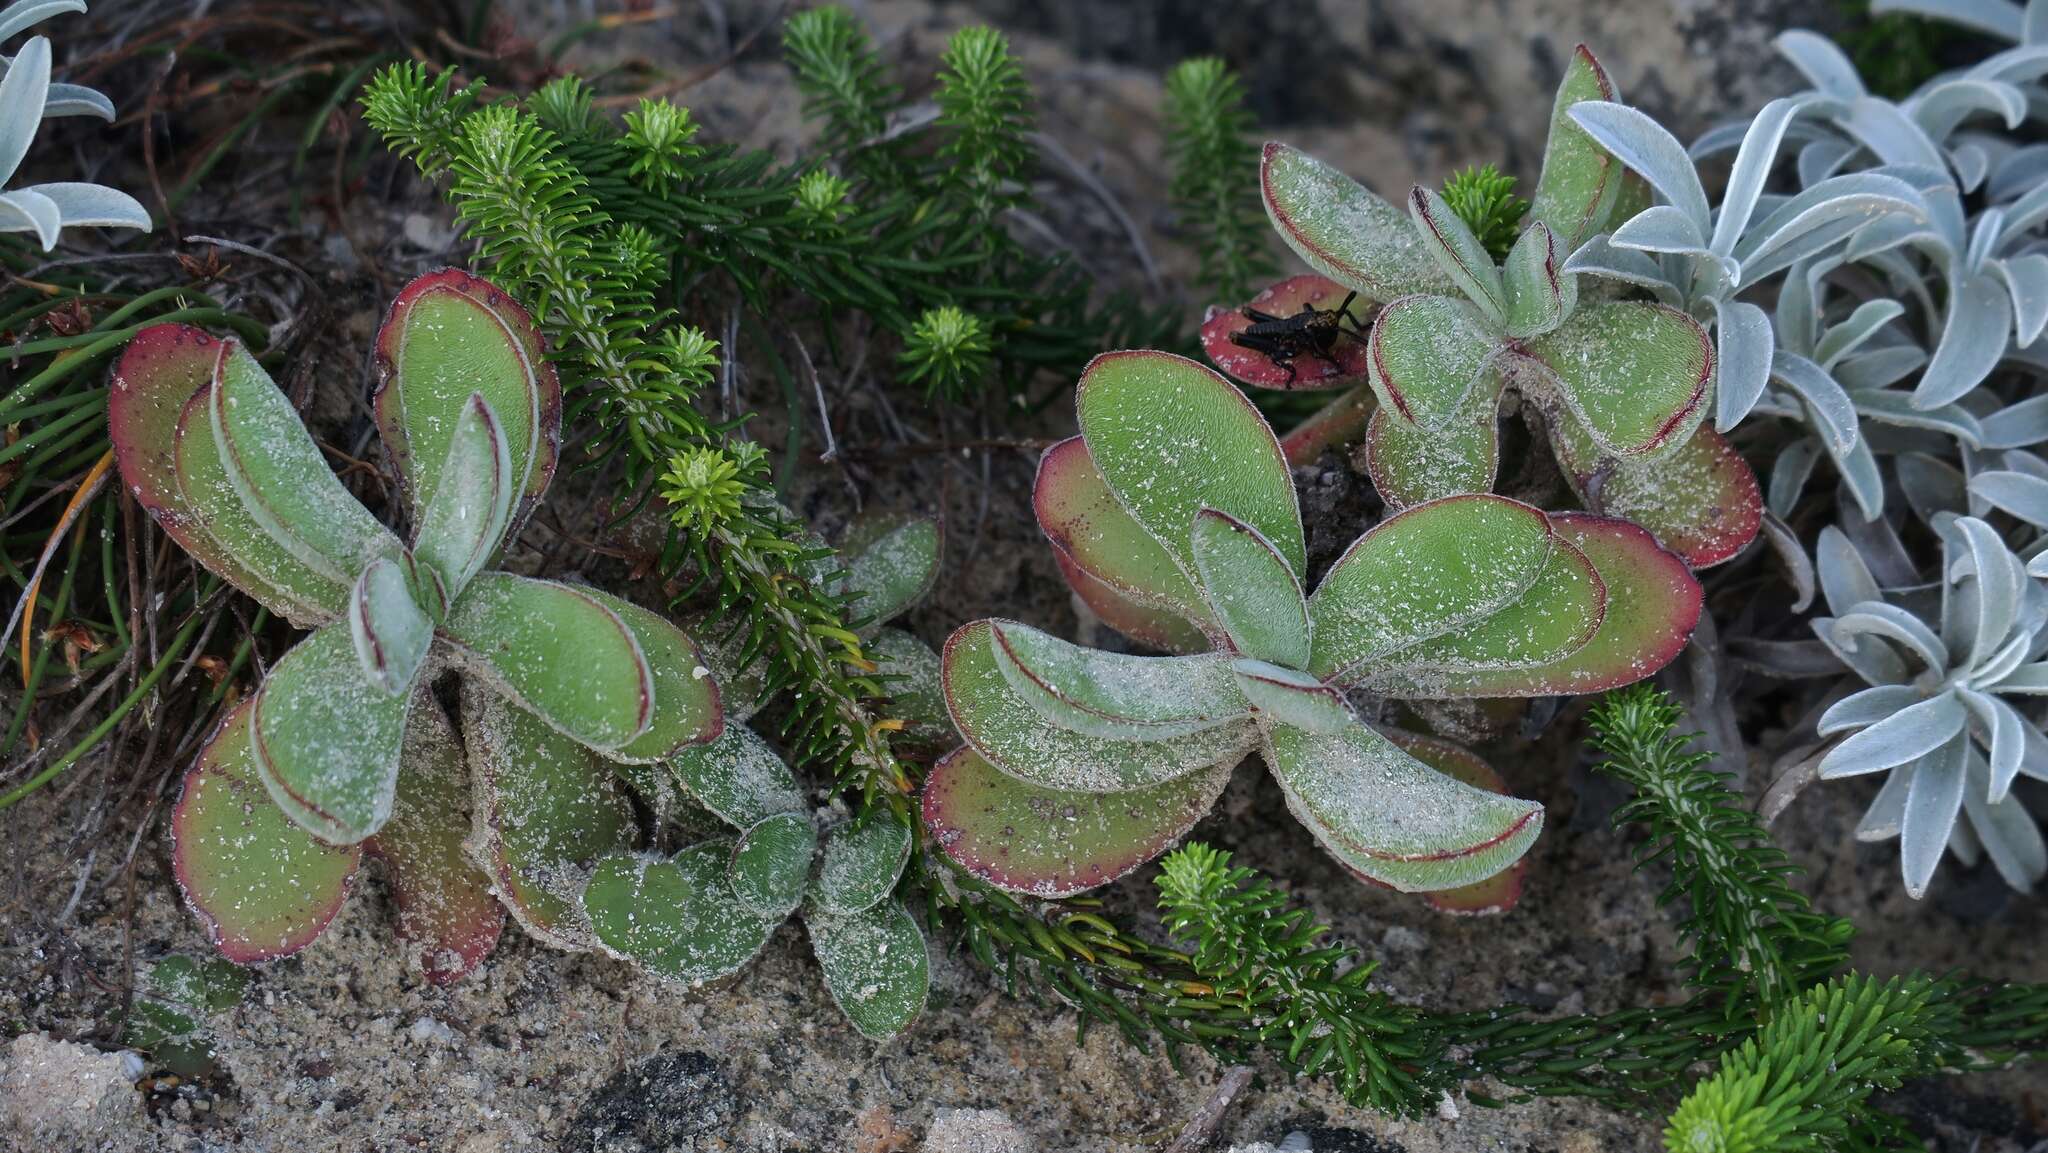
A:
(169, 1020)
(701, 914)
(1622, 383)
(1174, 516)
(1934, 716)
(26, 98)
(344, 749)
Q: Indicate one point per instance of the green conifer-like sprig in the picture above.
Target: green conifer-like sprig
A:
(1215, 163)
(845, 89)
(1804, 1081)
(984, 101)
(1747, 926)
(1484, 198)
(946, 351)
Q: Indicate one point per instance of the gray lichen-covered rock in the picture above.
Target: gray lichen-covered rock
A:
(62, 1095)
(976, 1131)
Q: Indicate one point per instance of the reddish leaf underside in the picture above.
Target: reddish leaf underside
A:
(1158, 628)
(1701, 501)
(1495, 894)
(450, 321)
(1053, 842)
(1284, 300)
(446, 912)
(263, 887)
(1081, 517)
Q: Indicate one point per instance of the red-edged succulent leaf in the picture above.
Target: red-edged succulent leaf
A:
(1701, 500)
(1251, 588)
(1410, 465)
(328, 739)
(1389, 816)
(1458, 251)
(1556, 615)
(1633, 374)
(465, 521)
(1429, 356)
(282, 477)
(1157, 628)
(263, 886)
(1285, 696)
(1115, 695)
(167, 371)
(1540, 293)
(545, 810)
(891, 562)
(1336, 424)
(1095, 535)
(1023, 741)
(1171, 437)
(446, 913)
(1343, 230)
(1576, 193)
(688, 706)
(1653, 602)
(448, 335)
(1055, 842)
(1287, 299)
(391, 632)
(738, 777)
(1422, 574)
(561, 652)
(1495, 894)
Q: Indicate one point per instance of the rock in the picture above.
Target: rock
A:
(662, 1105)
(61, 1095)
(875, 1130)
(976, 1131)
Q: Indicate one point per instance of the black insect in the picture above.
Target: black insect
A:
(1311, 332)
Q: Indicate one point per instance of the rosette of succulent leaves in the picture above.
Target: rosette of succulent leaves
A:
(344, 748)
(27, 98)
(1939, 664)
(1173, 515)
(1622, 385)
(703, 913)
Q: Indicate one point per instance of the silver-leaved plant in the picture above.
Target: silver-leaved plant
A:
(27, 97)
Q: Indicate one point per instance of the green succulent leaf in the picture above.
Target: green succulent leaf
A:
(327, 739)
(876, 966)
(1634, 374)
(1576, 194)
(164, 446)
(1540, 293)
(1288, 697)
(210, 984)
(281, 477)
(1152, 627)
(891, 563)
(1556, 615)
(1342, 230)
(1054, 843)
(172, 1038)
(1424, 573)
(688, 703)
(263, 886)
(561, 652)
(446, 912)
(1701, 500)
(450, 335)
(1392, 818)
(1014, 734)
(915, 695)
(1171, 438)
(1430, 356)
(1495, 894)
(771, 864)
(390, 632)
(1410, 465)
(1093, 534)
(1653, 602)
(738, 777)
(546, 808)
(677, 918)
(1462, 256)
(1251, 588)
(1115, 695)
(462, 525)
(861, 865)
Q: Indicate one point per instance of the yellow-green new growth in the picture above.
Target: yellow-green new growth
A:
(1484, 198)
